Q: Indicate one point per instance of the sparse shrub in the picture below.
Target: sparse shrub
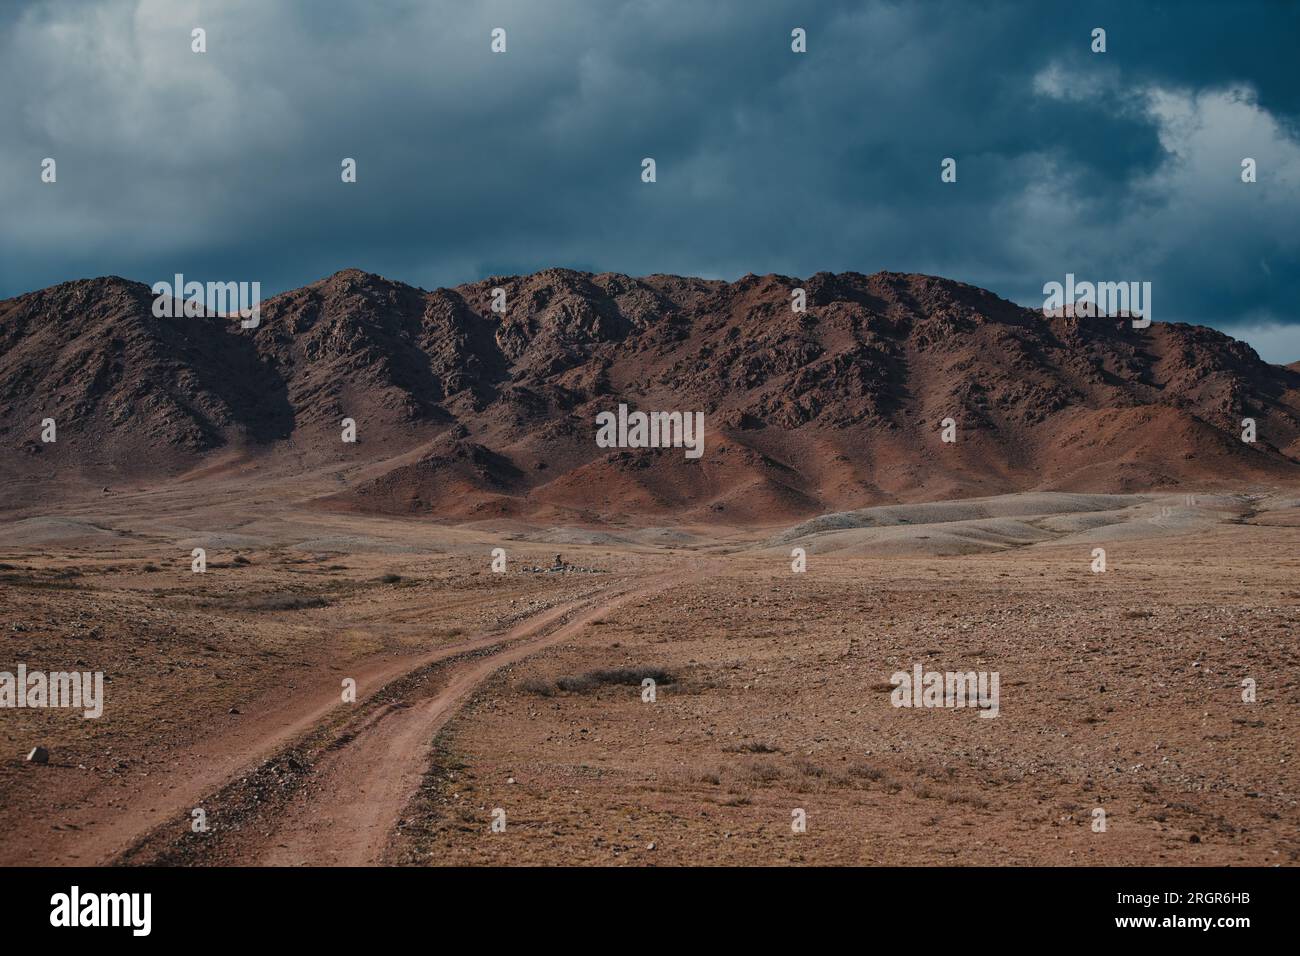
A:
(808, 768)
(538, 686)
(760, 773)
(751, 747)
(862, 771)
(576, 685)
(630, 676)
(285, 602)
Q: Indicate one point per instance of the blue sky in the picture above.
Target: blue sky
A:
(1116, 166)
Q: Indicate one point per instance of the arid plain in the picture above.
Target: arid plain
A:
(521, 691)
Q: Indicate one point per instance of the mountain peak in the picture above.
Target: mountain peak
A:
(835, 407)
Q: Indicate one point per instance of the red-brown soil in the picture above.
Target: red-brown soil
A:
(522, 690)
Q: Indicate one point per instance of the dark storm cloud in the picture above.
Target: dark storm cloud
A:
(1123, 165)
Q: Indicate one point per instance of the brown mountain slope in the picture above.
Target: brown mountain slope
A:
(127, 391)
(494, 413)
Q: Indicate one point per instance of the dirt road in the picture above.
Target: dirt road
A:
(369, 765)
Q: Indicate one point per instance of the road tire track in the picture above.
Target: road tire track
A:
(352, 780)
